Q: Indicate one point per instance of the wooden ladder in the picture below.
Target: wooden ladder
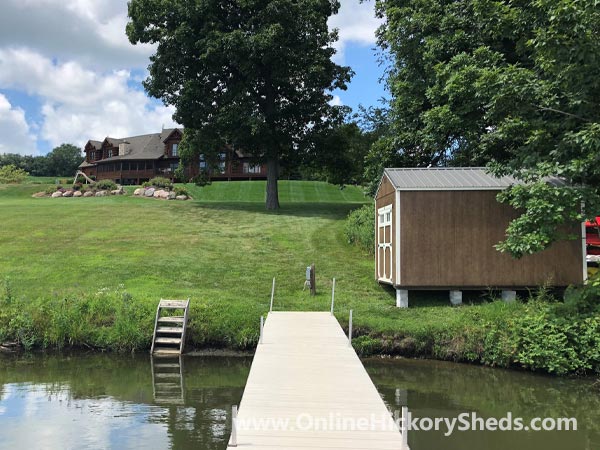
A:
(169, 331)
(167, 379)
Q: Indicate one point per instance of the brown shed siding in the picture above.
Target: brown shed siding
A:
(386, 196)
(448, 238)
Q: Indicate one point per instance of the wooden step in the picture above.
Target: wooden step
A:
(177, 304)
(171, 330)
(166, 351)
(171, 319)
(166, 340)
(168, 375)
(166, 366)
(169, 400)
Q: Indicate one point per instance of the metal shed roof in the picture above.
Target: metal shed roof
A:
(449, 178)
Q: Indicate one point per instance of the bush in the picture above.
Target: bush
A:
(360, 228)
(159, 182)
(180, 190)
(105, 185)
(12, 174)
(51, 190)
(201, 179)
(77, 186)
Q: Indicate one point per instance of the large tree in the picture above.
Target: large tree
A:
(256, 74)
(511, 84)
(64, 160)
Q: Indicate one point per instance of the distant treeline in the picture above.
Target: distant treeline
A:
(60, 162)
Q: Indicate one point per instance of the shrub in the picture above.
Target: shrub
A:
(51, 190)
(201, 179)
(159, 182)
(105, 185)
(12, 174)
(77, 186)
(180, 190)
(360, 228)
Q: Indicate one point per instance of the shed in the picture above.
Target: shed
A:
(436, 229)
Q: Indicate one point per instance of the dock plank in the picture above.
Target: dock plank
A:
(307, 389)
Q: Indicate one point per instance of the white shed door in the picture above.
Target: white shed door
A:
(384, 243)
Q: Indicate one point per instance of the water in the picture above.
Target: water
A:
(100, 401)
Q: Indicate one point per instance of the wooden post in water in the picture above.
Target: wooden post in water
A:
(404, 428)
(313, 286)
(233, 440)
(332, 296)
(272, 294)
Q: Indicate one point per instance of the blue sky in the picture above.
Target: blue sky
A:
(69, 74)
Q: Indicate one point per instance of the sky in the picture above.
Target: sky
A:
(68, 73)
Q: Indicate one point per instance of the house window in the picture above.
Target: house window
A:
(251, 168)
(202, 162)
(222, 166)
(173, 167)
(110, 152)
(174, 149)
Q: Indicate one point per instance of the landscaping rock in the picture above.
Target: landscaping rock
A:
(88, 194)
(163, 194)
(77, 194)
(139, 191)
(57, 194)
(101, 194)
(172, 195)
(68, 194)
(149, 192)
(116, 192)
(39, 195)
(181, 197)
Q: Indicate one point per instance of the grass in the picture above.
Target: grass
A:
(90, 271)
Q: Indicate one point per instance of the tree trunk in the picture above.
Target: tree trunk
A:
(272, 177)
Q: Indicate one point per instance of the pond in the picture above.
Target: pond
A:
(98, 401)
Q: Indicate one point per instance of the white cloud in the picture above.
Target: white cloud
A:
(336, 101)
(15, 132)
(80, 104)
(91, 32)
(356, 23)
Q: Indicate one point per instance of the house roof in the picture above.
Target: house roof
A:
(147, 146)
(452, 178)
(86, 164)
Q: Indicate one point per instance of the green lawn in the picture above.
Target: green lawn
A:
(90, 271)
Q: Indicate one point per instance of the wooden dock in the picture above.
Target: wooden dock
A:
(307, 389)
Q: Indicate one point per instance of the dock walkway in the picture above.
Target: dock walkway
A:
(307, 389)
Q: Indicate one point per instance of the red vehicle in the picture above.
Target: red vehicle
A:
(592, 236)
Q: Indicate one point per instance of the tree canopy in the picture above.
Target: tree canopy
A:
(256, 74)
(61, 161)
(511, 84)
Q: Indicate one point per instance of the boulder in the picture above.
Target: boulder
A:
(139, 191)
(149, 192)
(57, 194)
(181, 197)
(68, 194)
(88, 194)
(116, 192)
(163, 194)
(158, 193)
(172, 195)
(101, 194)
(39, 195)
(77, 194)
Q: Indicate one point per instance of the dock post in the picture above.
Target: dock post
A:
(332, 296)
(404, 428)
(350, 330)
(272, 294)
(233, 440)
(262, 324)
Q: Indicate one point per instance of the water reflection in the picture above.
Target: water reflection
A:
(440, 389)
(109, 401)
